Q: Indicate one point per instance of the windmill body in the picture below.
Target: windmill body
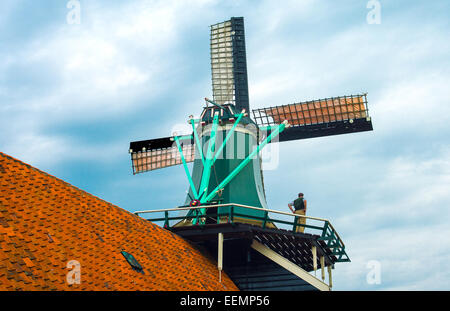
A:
(226, 183)
(247, 186)
(215, 159)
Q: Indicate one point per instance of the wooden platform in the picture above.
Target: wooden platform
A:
(295, 247)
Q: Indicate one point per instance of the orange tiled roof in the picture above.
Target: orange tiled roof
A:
(45, 223)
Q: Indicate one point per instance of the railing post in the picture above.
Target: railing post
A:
(294, 229)
(325, 228)
(166, 219)
(330, 278)
(332, 239)
(314, 255)
(231, 212)
(266, 214)
(197, 217)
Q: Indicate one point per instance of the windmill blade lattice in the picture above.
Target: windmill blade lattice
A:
(152, 154)
(318, 118)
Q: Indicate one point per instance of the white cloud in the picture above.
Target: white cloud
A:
(408, 192)
(110, 65)
(416, 104)
(6, 7)
(386, 192)
(122, 57)
(411, 259)
(317, 67)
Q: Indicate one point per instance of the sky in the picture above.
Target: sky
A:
(73, 95)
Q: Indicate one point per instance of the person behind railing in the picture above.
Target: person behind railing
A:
(299, 209)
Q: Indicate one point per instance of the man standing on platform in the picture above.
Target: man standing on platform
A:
(299, 209)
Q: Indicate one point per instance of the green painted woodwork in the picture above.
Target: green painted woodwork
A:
(186, 169)
(240, 175)
(241, 165)
(326, 232)
(197, 141)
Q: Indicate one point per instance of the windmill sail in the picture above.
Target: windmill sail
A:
(229, 64)
(317, 118)
(230, 86)
(149, 155)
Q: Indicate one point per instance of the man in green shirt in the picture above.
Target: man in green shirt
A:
(299, 209)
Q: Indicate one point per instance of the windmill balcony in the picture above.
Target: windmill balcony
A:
(223, 217)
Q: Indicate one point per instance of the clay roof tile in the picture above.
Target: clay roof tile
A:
(46, 223)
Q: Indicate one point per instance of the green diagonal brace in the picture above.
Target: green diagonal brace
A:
(186, 169)
(236, 171)
(332, 236)
(209, 155)
(197, 142)
(206, 174)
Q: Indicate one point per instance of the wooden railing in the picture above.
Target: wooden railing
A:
(324, 229)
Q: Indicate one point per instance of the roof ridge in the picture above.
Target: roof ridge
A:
(62, 181)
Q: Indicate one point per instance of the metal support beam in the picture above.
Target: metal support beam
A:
(290, 266)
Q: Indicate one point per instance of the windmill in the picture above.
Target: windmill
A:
(226, 141)
(226, 183)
